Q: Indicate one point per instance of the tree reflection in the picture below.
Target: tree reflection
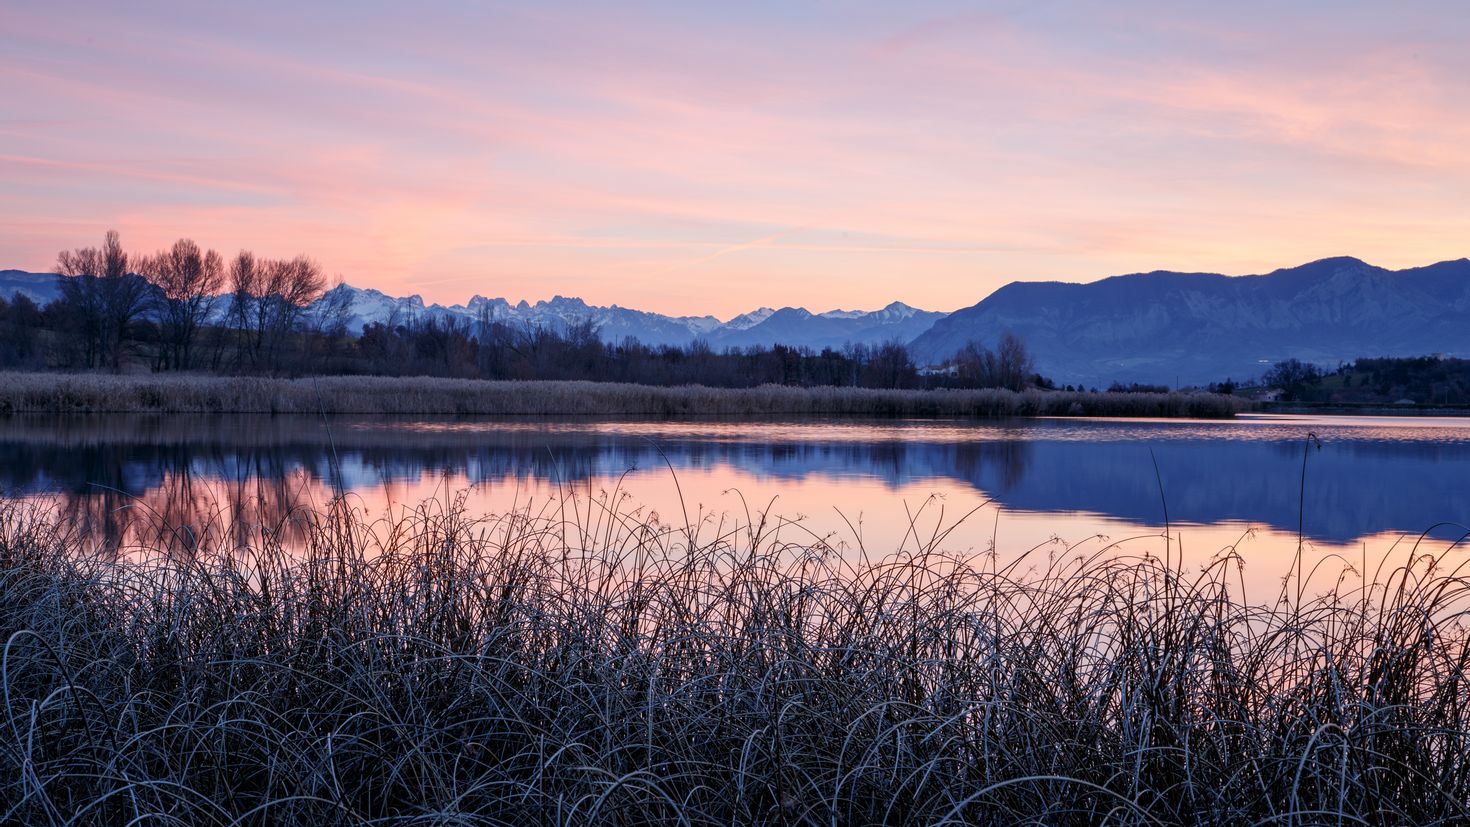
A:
(185, 482)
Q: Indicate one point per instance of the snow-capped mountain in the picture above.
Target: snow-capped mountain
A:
(764, 326)
(367, 306)
(1160, 327)
(799, 327)
(745, 321)
(613, 323)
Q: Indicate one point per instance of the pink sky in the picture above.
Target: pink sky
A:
(710, 159)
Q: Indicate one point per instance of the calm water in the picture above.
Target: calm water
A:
(1049, 485)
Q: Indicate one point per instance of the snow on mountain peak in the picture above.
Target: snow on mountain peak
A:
(746, 321)
(789, 325)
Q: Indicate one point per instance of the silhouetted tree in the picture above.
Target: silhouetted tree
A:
(1013, 362)
(245, 277)
(290, 287)
(1292, 376)
(20, 327)
(276, 316)
(101, 300)
(268, 302)
(1008, 366)
(124, 297)
(188, 281)
(83, 306)
(977, 366)
(889, 367)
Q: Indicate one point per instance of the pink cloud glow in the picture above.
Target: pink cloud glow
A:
(693, 160)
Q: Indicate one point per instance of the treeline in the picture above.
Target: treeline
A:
(183, 308)
(488, 349)
(1423, 380)
(189, 309)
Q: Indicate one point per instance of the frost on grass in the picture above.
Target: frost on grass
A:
(576, 666)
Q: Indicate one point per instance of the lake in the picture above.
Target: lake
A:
(1372, 486)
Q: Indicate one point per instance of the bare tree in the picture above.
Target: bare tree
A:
(976, 366)
(124, 297)
(245, 276)
(890, 366)
(102, 299)
(1008, 366)
(324, 321)
(1014, 363)
(294, 285)
(188, 281)
(288, 288)
(81, 296)
(1293, 376)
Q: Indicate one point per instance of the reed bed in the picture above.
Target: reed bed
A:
(175, 393)
(581, 665)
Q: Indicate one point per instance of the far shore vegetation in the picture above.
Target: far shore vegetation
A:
(1433, 380)
(196, 331)
(332, 395)
(187, 330)
(190, 310)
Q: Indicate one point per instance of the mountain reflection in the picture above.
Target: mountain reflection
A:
(179, 481)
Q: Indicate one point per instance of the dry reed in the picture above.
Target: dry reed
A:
(173, 393)
(580, 665)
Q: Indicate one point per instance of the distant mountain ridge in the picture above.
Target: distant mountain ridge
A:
(1157, 327)
(765, 326)
(1187, 328)
(41, 288)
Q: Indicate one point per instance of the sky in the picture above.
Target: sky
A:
(704, 158)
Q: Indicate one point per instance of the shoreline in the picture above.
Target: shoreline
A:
(366, 395)
(1341, 409)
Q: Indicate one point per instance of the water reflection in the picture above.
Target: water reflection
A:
(182, 480)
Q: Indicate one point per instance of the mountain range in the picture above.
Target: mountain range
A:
(1159, 327)
(41, 288)
(1189, 328)
(766, 326)
(795, 326)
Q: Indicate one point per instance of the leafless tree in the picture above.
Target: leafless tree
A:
(81, 295)
(124, 297)
(328, 314)
(288, 288)
(1008, 366)
(188, 281)
(889, 366)
(103, 298)
(977, 366)
(268, 302)
(1014, 362)
(245, 276)
(324, 325)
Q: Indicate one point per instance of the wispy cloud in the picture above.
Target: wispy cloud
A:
(686, 158)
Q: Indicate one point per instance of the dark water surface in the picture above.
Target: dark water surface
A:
(1371, 482)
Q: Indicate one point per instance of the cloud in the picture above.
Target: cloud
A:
(667, 154)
